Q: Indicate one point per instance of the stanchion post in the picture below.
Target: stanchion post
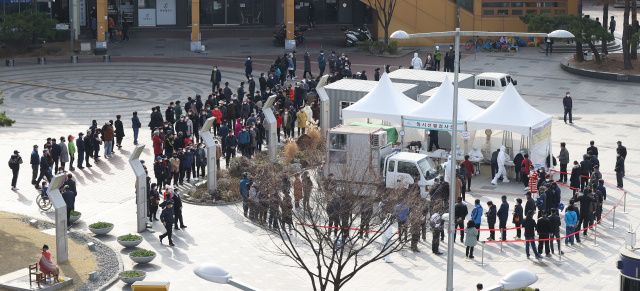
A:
(482, 256)
(560, 250)
(624, 204)
(595, 235)
(614, 217)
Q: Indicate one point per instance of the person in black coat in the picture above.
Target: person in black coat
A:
(177, 209)
(44, 167)
(585, 170)
(619, 169)
(56, 150)
(544, 229)
(69, 199)
(263, 85)
(71, 184)
(88, 148)
(376, 75)
(585, 205)
(574, 180)
(155, 119)
(216, 78)
(230, 142)
(81, 150)
(518, 217)
(167, 221)
(503, 216)
(119, 131)
(154, 200)
(461, 212)
(556, 222)
(530, 205)
(530, 227)
(491, 220)
(159, 171)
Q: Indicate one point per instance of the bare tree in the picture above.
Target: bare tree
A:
(579, 54)
(634, 26)
(626, 33)
(605, 20)
(339, 227)
(384, 10)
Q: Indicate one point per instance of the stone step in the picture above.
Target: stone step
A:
(561, 47)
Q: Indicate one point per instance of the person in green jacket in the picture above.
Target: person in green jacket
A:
(72, 151)
(177, 110)
(472, 237)
(437, 55)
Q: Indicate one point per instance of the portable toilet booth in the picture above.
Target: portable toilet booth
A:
(428, 80)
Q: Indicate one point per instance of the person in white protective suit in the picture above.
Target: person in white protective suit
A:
(386, 236)
(475, 153)
(459, 152)
(447, 170)
(416, 62)
(502, 157)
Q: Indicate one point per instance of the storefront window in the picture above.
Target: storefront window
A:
(146, 4)
(220, 12)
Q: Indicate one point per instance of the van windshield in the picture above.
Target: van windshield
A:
(427, 167)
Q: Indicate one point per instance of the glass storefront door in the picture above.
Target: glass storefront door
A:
(231, 12)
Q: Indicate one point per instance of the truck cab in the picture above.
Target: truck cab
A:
(405, 167)
(493, 81)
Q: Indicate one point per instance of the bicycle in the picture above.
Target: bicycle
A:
(471, 43)
(43, 201)
(116, 36)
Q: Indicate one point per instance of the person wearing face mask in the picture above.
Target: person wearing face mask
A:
(47, 266)
(568, 106)
(181, 125)
(322, 63)
(168, 144)
(185, 163)
(175, 169)
(216, 124)
(254, 139)
(216, 78)
(230, 142)
(416, 62)
(244, 141)
(190, 126)
(307, 65)
(437, 55)
(245, 110)
(201, 159)
(332, 62)
(248, 67)
(619, 169)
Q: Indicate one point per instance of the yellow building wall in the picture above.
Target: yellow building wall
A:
(420, 16)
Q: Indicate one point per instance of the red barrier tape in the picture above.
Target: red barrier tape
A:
(314, 45)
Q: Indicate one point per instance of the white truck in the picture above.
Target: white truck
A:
(365, 156)
(493, 81)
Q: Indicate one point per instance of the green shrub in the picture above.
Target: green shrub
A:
(101, 225)
(131, 274)
(4, 120)
(74, 213)
(142, 253)
(378, 47)
(130, 237)
(61, 35)
(19, 29)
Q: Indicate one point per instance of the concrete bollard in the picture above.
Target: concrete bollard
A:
(9, 63)
(92, 246)
(74, 59)
(106, 58)
(93, 275)
(33, 223)
(42, 60)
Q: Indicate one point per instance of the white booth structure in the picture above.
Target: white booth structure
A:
(384, 102)
(428, 80)
(511, 113)
(62, 238)
(212, 170)
(141, 188)
(436, 113)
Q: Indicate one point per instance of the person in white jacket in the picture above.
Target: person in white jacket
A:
(447, 170)
(502, 158)
(386, 237)
(475, 153)
(416, 62)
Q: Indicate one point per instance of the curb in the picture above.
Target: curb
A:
(113, 279)
(564, 65)
(387, 56)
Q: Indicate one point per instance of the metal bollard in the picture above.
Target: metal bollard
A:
(482, 256)
(106, 58)
(74, 59)
(595, 235)
(42, 60)
(560, 251)
(614, 218)
(9, 63)
(624, 205)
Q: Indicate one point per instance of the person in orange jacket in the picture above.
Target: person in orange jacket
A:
(111, 24)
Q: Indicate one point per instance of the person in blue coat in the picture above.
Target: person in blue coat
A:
(476, 215)
(81, 149)
(322, 63)
(491, 220)
(35, 164)
(186, 163)
(244, 139)
(503, 216)
(248, 67)
(135, 124)
(244, 191)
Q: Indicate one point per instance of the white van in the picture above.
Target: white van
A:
(493, 81)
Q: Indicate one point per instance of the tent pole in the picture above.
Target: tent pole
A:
(466, 141)
(402, 135)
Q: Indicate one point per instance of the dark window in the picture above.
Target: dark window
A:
(503, 12)
(516, 12)
(545, 11)
(560, 12)
(517, 4)
(481, 82)
(532, 11)
(495, 4)
(503, 82)
(487, 12)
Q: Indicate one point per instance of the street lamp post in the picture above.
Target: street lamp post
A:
(454, 131)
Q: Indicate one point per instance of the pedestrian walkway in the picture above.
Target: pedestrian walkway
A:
(223, 236)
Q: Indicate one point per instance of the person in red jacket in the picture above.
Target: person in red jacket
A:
(468, 165)
(279, 124)
(524, 167)
(218, 115)
(533, 182)
(157, 144)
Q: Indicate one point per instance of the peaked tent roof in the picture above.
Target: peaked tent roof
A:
(384, 102)
(439, 107)
(511, 113)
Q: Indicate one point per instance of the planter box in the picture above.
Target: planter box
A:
(130, 281)
(101, 231)
(142, 260)
(73, 219)
(129, 244)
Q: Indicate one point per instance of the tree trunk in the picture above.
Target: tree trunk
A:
(579, 55)
(605, 24)
(625, 37)
(595, 52)
(634, 26)
(386, 34)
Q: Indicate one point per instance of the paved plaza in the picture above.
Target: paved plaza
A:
(606, 112)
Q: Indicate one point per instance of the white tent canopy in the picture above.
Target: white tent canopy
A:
(384, 102)
(439, 108)
(510, 113)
